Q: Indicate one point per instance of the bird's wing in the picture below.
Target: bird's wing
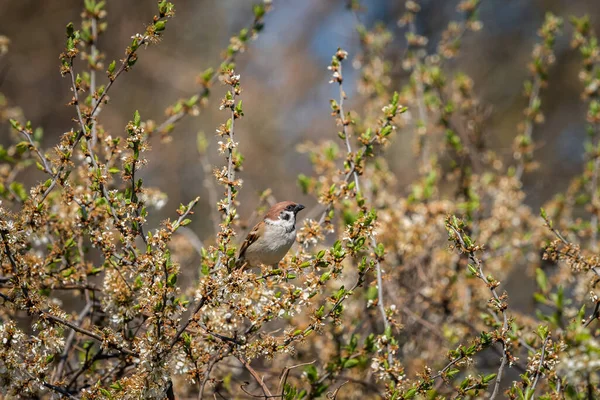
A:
(251, 238)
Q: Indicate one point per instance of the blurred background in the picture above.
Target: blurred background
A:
(285, 84)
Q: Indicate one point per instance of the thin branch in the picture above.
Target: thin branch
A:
(91, 334)
(339, 78)
(256, 376)
(69, 342)
(42, 157)
(167, 125)
(214, 360)
(286, 372)
(499, 304)
(345, 122)
(94, 163)
(122, 68)
(95, 111)
(47, 315)
(528, 133)
(230, 170)
(191, 318)
(94, 28)
(539, 369)
(58, 390)
(311, 327)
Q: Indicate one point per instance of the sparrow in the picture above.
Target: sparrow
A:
(269, 240)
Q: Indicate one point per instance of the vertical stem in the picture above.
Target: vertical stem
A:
(381, 305)
(230, 171)
(93, 76)
(594, 191)
(345, 131)
(535, 92)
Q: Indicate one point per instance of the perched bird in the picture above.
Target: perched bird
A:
(270, 239)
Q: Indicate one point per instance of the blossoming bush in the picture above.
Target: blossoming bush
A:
(391, 292)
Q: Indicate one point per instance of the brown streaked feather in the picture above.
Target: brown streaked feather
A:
(252, 237)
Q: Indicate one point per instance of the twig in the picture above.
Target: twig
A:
(94, 163)
(183, 327)
(535, 92)
(124, 67)
(286, 372)
(118, 347)
(173, 119)
(448, 366)
(335, 393)
(177, 224)
(95, 111)
(209, 368)
(345, 123)
(311, 327)
(539, 369)
(58, 389)
(577, 257)
(339, 78)
(94, 28)
(42, 157)
(230, 170)
(499, 304)
(255, 375)
(44, 314)
(69, 342)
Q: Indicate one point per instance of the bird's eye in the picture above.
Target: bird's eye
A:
(289, 208)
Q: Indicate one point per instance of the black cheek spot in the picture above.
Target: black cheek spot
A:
(285, 216)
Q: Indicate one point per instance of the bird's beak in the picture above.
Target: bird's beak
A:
(299, 207)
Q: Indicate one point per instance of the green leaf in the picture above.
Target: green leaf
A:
(350, 363)
(386, 130)
(259, 11)
(15, 124)
(19, 190)
(70, 30)
(311, 373)
(136, 118)
(172, 280)
(159, 26)
(541, 280)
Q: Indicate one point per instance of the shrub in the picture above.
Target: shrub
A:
(392, 293)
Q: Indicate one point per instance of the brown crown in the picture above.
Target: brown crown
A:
(277, 209)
